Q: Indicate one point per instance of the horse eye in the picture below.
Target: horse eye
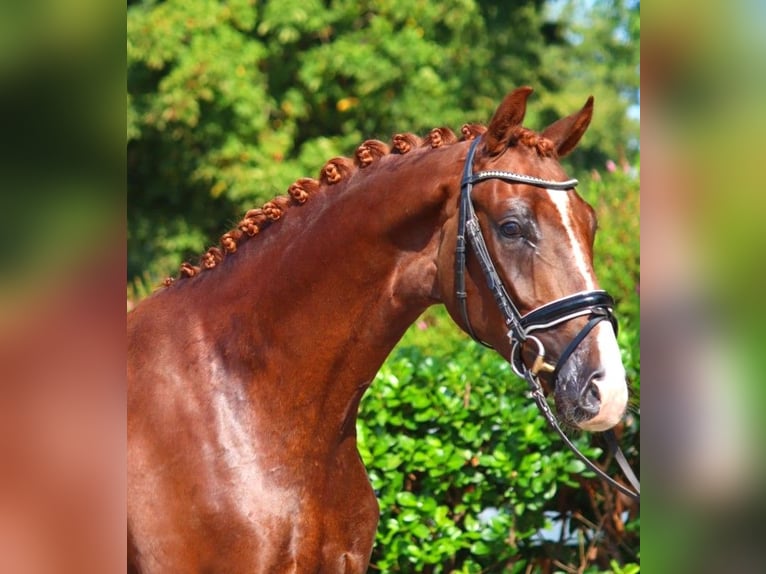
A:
(511, 229)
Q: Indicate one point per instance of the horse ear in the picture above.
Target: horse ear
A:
(566, 132)
(509, 114)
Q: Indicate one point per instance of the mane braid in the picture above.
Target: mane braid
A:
(438, 137)
(531, 139)
(337, 170)
(403, 143)
(370, 151)
(472, 131)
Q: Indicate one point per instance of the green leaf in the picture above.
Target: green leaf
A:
(406, 499)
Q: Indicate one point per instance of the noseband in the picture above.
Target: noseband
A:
(597, 306)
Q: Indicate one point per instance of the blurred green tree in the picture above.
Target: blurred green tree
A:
(229, 102)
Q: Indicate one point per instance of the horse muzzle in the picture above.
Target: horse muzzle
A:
(590, 389)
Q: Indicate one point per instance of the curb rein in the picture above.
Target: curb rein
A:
(597, 305)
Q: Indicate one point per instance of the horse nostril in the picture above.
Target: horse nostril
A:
(590, 399)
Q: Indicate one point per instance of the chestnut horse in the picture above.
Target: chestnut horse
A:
(246, 373)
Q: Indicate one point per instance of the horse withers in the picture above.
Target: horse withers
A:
(245, 374)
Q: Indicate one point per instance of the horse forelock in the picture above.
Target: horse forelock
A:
(521, 136)
(338, 171)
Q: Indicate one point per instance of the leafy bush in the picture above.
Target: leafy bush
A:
(460, 459)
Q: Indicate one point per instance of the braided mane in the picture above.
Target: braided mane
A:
(336, 170)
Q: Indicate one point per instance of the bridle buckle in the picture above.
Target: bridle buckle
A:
(540, 365)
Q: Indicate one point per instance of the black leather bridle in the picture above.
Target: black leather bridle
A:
(597, 306)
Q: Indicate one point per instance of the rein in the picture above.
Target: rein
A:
(597, 305)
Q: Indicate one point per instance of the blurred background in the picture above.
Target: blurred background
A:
(702, 239)
(62, 322)
(227, 103)
(230, 102)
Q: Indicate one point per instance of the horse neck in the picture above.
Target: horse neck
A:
(329, 290)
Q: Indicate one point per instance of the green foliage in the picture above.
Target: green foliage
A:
(229, 102)
(460, 459)
(604, 37)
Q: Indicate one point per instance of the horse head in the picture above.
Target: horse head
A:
(543, 309)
